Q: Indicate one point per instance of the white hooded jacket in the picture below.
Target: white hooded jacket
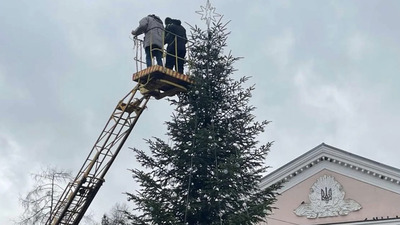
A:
(153, 29)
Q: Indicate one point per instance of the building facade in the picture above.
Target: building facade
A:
(327, 185)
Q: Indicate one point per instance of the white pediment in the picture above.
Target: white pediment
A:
(327, 157)
(327, 185)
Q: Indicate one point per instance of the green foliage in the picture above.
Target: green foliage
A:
(211, 171)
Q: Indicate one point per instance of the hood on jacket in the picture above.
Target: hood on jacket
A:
(172, 21)
(156, 18)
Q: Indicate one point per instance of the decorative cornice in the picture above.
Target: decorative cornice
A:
(372, 221)
(336, 157)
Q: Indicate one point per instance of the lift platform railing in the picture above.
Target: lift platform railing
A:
(139, 52)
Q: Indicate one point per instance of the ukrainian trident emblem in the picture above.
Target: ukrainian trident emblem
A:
(327, 199)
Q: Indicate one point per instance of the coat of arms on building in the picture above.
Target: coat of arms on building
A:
(327, 199)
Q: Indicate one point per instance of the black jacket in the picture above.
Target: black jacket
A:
(172, 29)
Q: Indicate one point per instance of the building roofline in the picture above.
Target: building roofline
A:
(339, 157)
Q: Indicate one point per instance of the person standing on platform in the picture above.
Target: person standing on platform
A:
(175, 37)
(152, 27)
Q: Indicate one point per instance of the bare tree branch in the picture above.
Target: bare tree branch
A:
(38, 203)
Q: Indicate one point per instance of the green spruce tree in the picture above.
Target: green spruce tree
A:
(211, 171)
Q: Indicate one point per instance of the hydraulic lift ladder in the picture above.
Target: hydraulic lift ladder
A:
(155, 81)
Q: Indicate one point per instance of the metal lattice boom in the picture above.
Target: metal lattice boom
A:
(79, 194)
(155, 81)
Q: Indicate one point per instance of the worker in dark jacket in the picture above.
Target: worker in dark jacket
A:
(175, 37)
(152, 27)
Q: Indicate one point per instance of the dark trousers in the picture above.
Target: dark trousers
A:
(155, 52)
(175, 60)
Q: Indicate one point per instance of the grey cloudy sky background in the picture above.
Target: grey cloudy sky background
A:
(325, 71)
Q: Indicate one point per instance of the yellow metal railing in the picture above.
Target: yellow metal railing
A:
(140, 56)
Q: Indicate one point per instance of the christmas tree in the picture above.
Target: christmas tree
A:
(211, 171)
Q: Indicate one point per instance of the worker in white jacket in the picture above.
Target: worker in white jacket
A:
(152, 27)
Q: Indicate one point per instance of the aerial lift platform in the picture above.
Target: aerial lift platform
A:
(159, 81)
(155, 81)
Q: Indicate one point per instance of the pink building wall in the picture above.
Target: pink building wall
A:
(375, 201)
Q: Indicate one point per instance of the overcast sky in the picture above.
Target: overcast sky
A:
(325, 71)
